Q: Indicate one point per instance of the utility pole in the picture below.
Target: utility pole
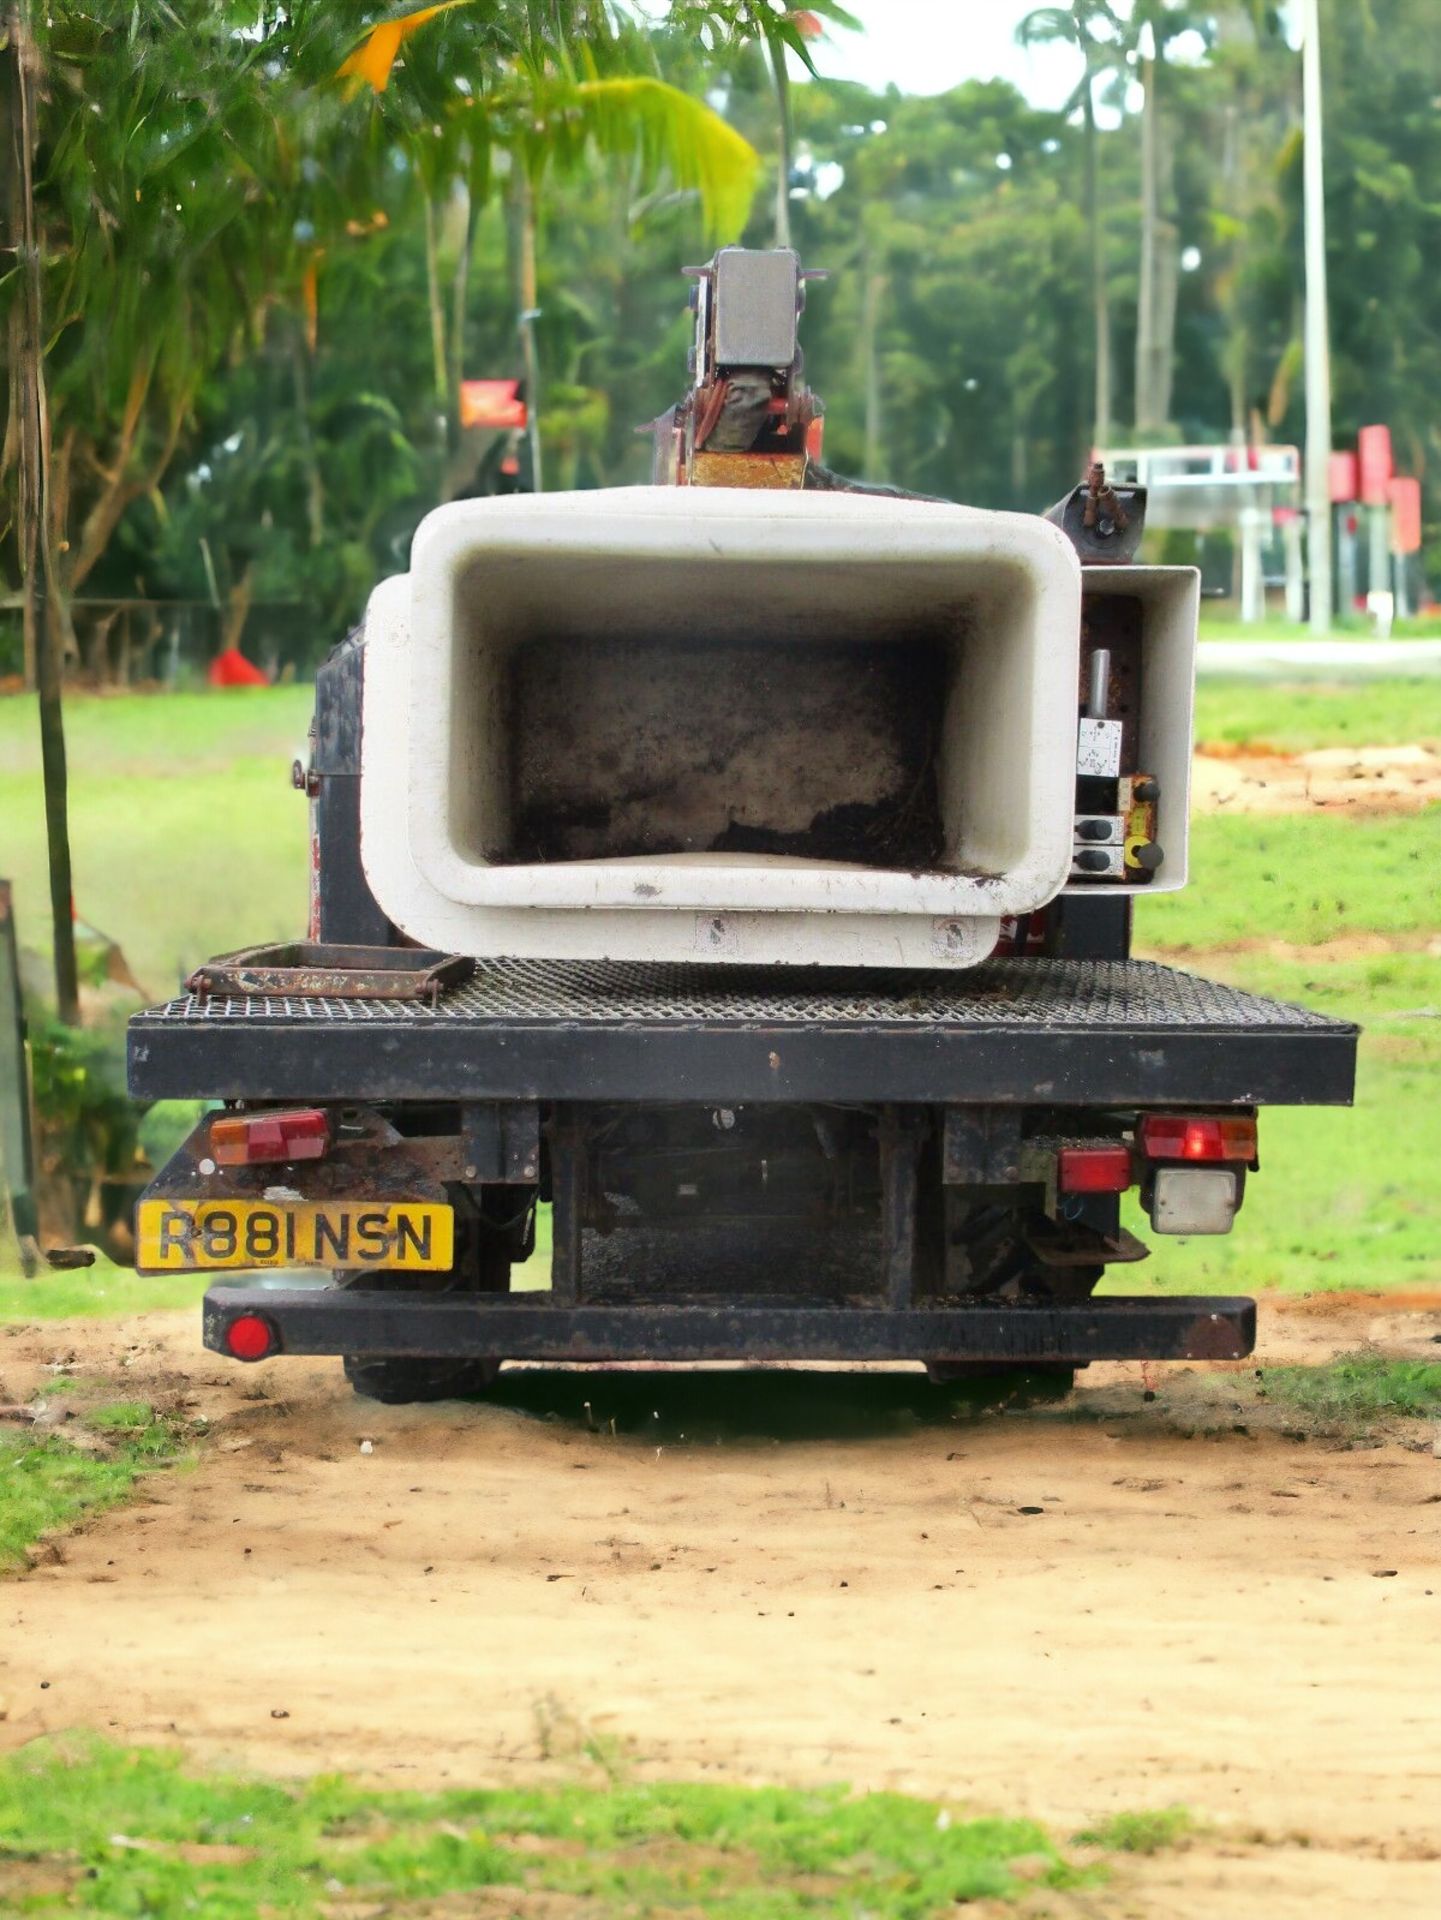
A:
(1318, 346)
(37, 559)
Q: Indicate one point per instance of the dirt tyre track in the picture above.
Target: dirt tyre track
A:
(1111, 1603)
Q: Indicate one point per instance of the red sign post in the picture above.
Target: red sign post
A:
(1373, 445)
(1345, 479)
(491, 403)
(1405, 504)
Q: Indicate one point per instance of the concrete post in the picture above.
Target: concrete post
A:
(1253, 583)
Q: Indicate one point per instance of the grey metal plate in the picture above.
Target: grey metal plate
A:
(755, 308)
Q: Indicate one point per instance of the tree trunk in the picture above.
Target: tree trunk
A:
(873, 466)
(460, 465)
(1168, 280)
(1160, 268)
(783, 144)
(1145, 405)
(459, 289)
(45, 608)
(314, 484)
(237, 609)
(529, 313)
(434, 304)
(100, 631)
(1100, 288)
(17, 410)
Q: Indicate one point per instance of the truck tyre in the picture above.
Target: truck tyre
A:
(398, 1382)
(1045, 1381)
(1041, 1380)
(483, 1259)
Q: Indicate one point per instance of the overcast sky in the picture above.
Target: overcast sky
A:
(928, 46)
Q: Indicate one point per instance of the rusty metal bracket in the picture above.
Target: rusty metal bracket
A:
(1102, 521)
(502, 1143)
(981, 1147)
(314, 969)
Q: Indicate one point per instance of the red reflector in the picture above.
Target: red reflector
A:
(1170, 1136)
(1095, 1169)
(242, 1139)
(249, 1337)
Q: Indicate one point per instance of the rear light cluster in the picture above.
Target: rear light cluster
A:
(1095, 1169)
(1189, 1139)
(1166, 1136)
(252, 1139)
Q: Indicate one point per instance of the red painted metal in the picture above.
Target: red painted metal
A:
(1373, 446)
(1405, 500)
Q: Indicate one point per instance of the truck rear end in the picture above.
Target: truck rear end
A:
(742, 869)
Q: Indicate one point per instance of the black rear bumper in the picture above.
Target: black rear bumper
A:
(378, 1323)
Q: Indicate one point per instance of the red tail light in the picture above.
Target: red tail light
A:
(1170, 1136)
(250, 1336)
(1094, 1169)
(246, 1139)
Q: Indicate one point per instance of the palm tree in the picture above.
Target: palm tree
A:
(1094, 29)
(157, 226)
(1154, 26)
(551, 101)
(780, 28)
(26, 436)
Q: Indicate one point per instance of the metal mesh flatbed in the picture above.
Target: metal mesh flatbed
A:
(1030, 1031)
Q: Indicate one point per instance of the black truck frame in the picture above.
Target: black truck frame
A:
(742, 1164)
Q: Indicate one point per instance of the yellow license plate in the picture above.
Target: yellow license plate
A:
(192, 1235)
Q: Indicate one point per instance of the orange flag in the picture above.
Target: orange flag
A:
(373, 59)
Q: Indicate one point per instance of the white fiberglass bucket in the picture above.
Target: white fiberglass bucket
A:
(765, 727)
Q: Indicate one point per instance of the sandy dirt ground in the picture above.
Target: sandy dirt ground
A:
(1158, 1591)
(1327, 779)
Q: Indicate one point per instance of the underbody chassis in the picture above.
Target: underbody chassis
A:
(741, 1165)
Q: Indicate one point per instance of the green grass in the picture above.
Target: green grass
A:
(90, 1827)
(161, 735)
(1218, 623)
(1358, 1391)
(101, 1289)
(1396, 994)
(1365, 713)
(47, 1481)
(187, 836)
(1346, 1197)
(1302, 878)
(1145, 1832)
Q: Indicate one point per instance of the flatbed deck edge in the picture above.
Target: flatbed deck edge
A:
(1057, 1033)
